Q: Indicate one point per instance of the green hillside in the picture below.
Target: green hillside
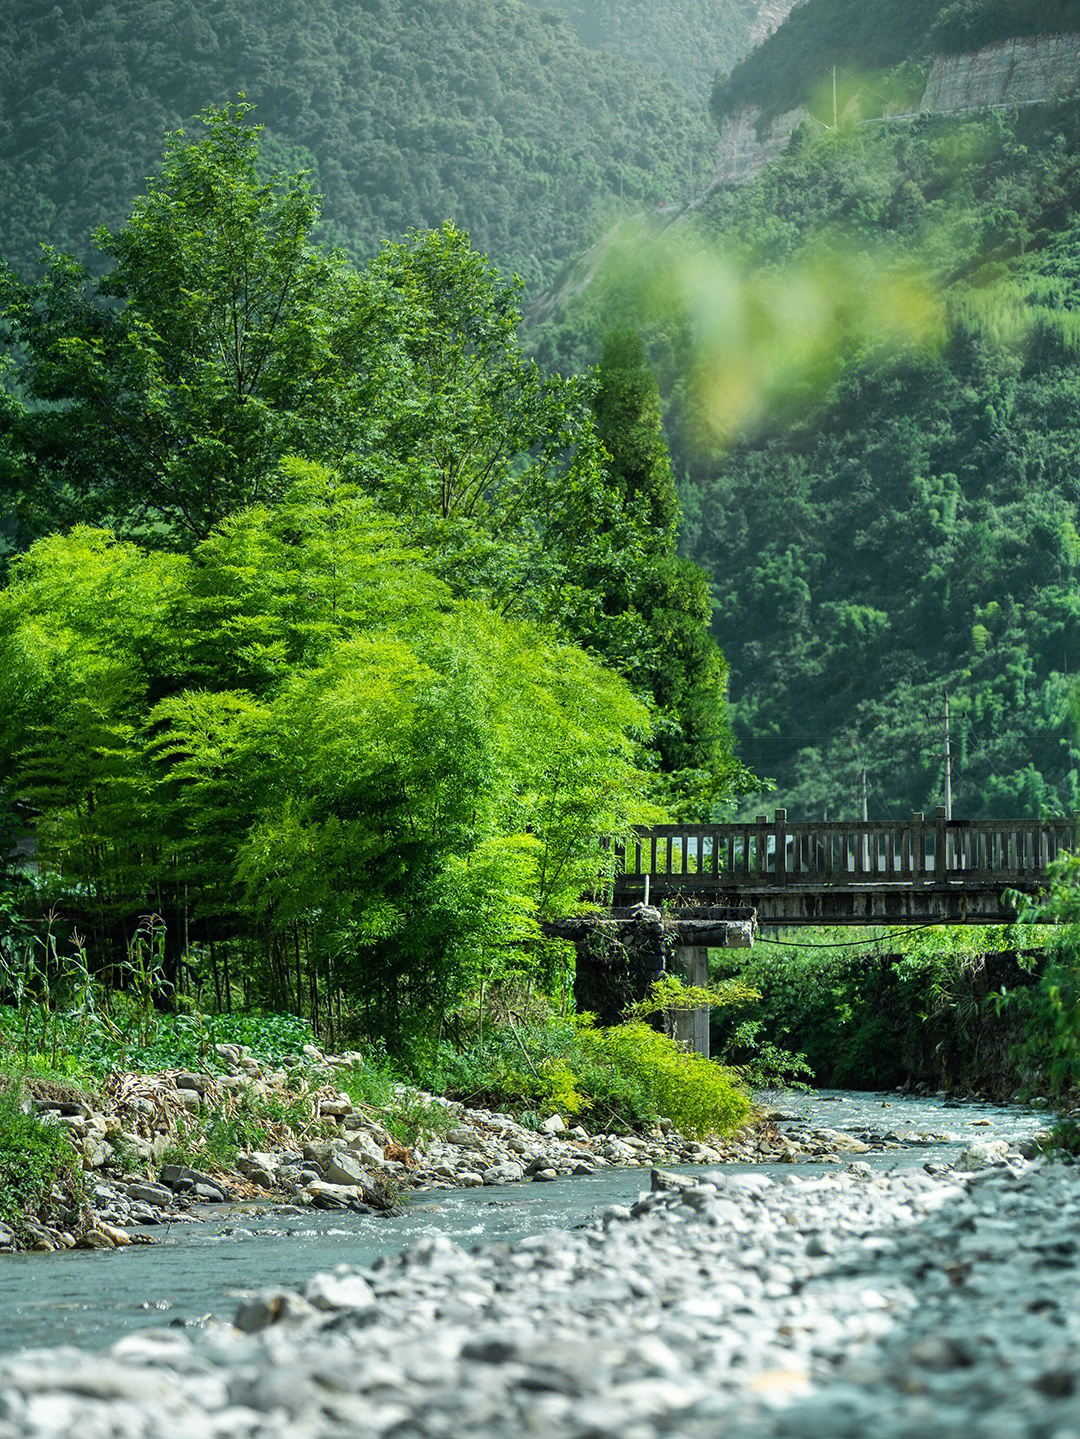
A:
(914, 529)
(870, 365)
(871, 38)
(486, 112)
(689, 40)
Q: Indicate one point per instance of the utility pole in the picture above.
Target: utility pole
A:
(948, 760)
(863, 812)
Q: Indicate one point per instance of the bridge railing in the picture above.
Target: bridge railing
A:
(766, 854)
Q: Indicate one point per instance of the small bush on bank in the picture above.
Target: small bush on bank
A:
(40, 1173)
(381, 1088)
(621, 1078)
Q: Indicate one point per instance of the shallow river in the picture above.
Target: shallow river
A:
(91, 1298)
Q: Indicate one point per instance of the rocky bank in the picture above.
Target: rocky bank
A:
(346, 1158)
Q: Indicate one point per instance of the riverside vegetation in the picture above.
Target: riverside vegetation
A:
(111, 1112)
(335, 633)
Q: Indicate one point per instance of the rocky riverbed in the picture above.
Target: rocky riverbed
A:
(347, 1159)
(858, 1302)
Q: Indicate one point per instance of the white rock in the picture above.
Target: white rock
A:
(339, 1291)
(984, 1153)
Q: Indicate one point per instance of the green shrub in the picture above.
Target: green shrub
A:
(697, 1095)
(40, 1173)
(625, 1077)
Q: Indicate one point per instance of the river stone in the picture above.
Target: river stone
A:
(344, 1168)
(464, 1138)
(984, 1153)
(506, 1173)
(662, 1179)
(187, 1080)
(339, 1291)
(156, 1194)
(361, 1142)
(554, 1124)
(258, 1159)
(321, 1151)
(175, 1175)
(96, 1151)
(325, 1195)
(271, 1307)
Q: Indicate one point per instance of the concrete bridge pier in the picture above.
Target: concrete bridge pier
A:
(620, 955)
(691, 1026)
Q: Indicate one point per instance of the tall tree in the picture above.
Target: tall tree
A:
(222, 338)
(654, 610)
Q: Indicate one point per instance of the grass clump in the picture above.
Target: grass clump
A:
(379, 1087)
(245, 1121)
(40, 1174)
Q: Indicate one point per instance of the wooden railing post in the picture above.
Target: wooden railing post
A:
(940, 866)
(762, 845)
(917, 857)
(780, 830)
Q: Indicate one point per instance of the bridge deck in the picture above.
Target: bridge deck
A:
(938, 871)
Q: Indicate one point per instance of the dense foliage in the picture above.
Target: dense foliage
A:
(300, 737)
(873, 423)
(868, 43)
(332, 739)
(689, 40)
(623, 1077)
(40, 1173)
(911, 531)
(484, 111)
(895, 1008)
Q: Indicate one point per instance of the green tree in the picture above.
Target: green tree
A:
(297, 742)
(494, 466)
(166, 393)
(654, 608)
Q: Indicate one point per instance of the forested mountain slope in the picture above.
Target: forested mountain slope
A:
(914, 529)
(888, 510)
(866, 39)
(487, 112)
(689, 40)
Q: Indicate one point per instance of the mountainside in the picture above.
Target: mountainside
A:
(870, 365)
(864, 38)
(486, 112)
(689, 40)
(834, 60)
(913, 530)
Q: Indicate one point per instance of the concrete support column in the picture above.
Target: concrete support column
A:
(691, 963)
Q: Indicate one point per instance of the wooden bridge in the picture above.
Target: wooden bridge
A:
(941, 871)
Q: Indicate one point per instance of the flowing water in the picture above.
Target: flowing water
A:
(194, 1269)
